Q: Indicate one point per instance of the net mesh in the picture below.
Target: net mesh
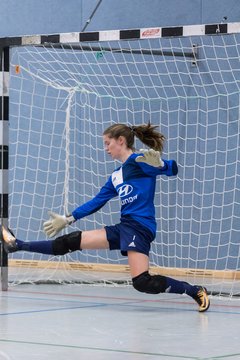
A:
(61, 100)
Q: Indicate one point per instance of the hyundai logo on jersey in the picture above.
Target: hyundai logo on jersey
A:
(125, 190)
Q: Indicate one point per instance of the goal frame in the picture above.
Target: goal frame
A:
(72, 39)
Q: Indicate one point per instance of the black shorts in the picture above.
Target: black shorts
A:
(129, 235)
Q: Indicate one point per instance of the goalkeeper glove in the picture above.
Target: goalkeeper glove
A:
(56, 223)
(150, 157)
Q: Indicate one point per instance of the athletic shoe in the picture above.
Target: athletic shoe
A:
(9, 240)
(202, 299)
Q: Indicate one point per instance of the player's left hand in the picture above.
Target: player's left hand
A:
(151, 157)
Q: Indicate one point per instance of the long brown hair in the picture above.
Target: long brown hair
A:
(147, 134)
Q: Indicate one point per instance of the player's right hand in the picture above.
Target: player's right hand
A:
(56, 223)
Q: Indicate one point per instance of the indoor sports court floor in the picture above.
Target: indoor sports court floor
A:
(95, 322)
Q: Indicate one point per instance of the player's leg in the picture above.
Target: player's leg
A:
(155, 284)
(77, 240)
(80, 240)
(94, 239)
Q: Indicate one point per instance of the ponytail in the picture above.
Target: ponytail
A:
(147, 134)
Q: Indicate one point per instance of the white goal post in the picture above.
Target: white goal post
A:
(59, 92)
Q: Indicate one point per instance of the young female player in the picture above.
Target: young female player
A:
(134, 182)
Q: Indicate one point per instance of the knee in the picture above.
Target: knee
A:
(67, 243)
(150, 284)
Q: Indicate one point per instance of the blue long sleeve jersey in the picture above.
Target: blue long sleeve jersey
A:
(134, 183)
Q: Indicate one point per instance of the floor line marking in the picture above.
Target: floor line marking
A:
(99, 349)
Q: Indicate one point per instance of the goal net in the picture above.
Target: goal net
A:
(62, 97)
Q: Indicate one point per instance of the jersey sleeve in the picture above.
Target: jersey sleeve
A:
(106, 193)
(170, 168)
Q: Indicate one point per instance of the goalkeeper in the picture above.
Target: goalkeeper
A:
(134, 182)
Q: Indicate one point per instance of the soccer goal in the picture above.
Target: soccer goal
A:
(59, 93)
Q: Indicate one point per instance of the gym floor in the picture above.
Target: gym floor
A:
(96, 322)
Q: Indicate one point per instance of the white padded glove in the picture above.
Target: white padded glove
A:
(56, 223)
(150, 157)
